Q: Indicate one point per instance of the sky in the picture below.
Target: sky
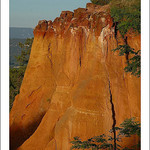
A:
(27, 13)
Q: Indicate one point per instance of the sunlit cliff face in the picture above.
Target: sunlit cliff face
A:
(72, 81)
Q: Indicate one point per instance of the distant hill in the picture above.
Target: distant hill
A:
(17, 35)
(20, 33)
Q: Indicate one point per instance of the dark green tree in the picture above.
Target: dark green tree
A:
(127, 15)
(128, 128)
(100, 2)
(17, 74)
(134, 63)
(25, 51)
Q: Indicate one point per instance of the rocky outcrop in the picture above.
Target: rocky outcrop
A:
(74, 85)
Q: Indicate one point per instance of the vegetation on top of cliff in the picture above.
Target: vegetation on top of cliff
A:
(100, 2)
(17, 74)
(126, 15)
(128, 128)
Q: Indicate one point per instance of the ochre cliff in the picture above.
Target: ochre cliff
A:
(70, 78)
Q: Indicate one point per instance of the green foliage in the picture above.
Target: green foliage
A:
(97, 142)
(127, 15)
(100, 2)
(127, 128)
(14, 50)
(124, 49)
(17, 74)
(25, 51)
(130, 127)
(134, 63)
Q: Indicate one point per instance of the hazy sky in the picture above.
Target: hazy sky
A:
(27, 13)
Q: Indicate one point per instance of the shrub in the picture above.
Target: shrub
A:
(15, 77)
(134, 63)
(128, 128)
(25, 51)
(100, 2)
(17, 74)
(127, 13)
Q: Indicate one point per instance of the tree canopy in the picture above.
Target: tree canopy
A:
(100, 2)
(127, 128)
(17, 73)
(127, 15)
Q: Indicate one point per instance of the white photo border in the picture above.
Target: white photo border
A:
(5, 75)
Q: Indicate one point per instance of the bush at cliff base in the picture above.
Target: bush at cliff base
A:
(128, 128)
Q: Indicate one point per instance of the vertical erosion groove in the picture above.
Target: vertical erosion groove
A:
(113, 117)
(115, 28)
(49, 56)
(80, 61)
(44, 34)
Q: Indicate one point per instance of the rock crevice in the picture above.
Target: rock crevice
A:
(113, 117)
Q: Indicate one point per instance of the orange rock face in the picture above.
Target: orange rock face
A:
(70, 78)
